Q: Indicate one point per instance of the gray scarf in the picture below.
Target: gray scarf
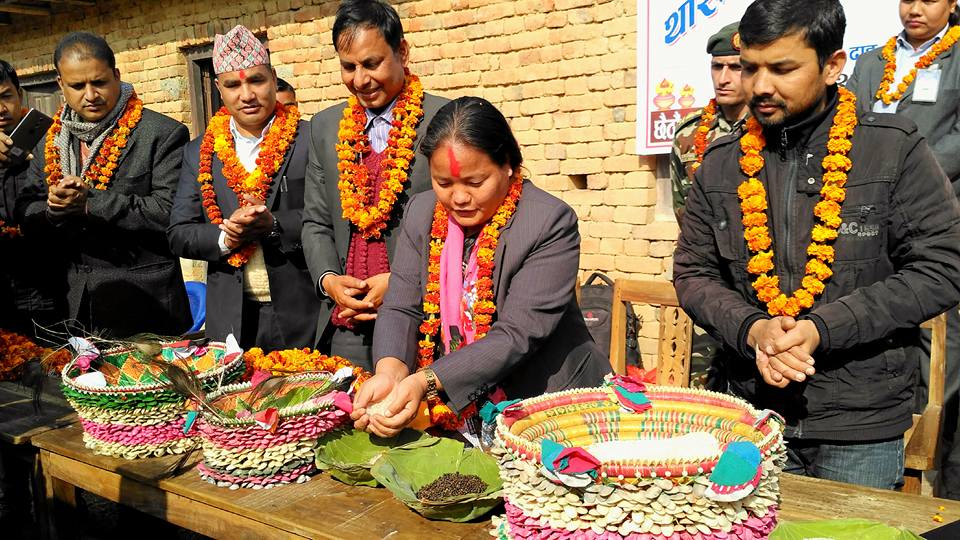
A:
(92, 133)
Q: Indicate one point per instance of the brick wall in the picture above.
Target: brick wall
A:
(563, 72)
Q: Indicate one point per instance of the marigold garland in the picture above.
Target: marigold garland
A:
(355, 184)
(10, 231)
(291, 361)
(15, 350)
(889, 54)
(102, 167)
(484, 308)
(707, 117)
(753, 204)
(218, 139)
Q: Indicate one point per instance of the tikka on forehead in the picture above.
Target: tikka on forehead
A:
(454, 164)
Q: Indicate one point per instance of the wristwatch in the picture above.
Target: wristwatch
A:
(432, 392)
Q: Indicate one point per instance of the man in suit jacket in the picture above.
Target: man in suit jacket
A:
(111, 167)
(348, 253)
(33, 284)
(245, 219)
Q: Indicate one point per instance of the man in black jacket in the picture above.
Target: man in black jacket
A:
(32, 283)
(258, 285)
(99, 193)
(863, 250)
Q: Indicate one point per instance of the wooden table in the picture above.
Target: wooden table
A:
(325, 508)
(18, 419)
(320, 508)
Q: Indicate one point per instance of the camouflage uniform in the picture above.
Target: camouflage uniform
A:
(683, 155)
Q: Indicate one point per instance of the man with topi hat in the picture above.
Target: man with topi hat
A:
(725, 113)
(98, 195)
(364, 166)
(239, 205)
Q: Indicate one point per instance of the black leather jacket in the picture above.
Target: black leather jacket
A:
(898, 264)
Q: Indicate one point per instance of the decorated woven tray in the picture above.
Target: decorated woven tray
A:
(127, 404)
(637, 462)
(255, 437)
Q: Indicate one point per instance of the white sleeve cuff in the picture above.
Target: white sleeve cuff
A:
(320, 283)
(222, 243)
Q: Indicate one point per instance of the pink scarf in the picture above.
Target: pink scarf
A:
(458, 291)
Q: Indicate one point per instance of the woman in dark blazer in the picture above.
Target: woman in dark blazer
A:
(926, 25)
(537, 341)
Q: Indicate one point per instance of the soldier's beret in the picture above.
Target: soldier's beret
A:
(726, 42)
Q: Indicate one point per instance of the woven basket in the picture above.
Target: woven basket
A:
(269, 442)
(663, 498)
(138, 414)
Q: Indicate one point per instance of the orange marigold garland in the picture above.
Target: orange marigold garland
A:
(707, 117)
(291, 361)
(355, 184)
(218, 140)
(15, 350)
(11, 231)
(484, 308)
(101, 169)
(889, 54)
(753, 204)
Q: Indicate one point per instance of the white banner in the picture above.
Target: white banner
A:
(673, 68)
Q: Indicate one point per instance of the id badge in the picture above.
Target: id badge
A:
(926, 86)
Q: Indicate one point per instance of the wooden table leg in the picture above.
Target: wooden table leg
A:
(912, 481)
(57, 513)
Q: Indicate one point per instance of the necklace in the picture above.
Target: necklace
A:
(753, 204)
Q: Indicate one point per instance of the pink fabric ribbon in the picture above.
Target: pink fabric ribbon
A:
(452, 279)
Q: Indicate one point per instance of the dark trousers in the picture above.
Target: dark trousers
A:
(260, 328)
(354, 345)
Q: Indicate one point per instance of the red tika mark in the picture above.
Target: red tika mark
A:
(454, 164)
(243, 74)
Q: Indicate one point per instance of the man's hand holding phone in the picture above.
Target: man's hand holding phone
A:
(6, 146)
(17, 147)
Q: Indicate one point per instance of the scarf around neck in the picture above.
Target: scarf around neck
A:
(91, 133)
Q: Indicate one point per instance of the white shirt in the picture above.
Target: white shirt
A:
(378, 127)
(248, 149)
(907, 57)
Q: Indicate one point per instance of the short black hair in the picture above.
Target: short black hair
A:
(87, 45)
(954, 18)
(7, 73)
(354, 15)
(820, 22)
(284, 86)
(474, 122)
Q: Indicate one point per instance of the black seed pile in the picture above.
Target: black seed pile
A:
(452, 485)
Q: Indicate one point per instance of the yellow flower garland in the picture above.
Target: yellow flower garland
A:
(753, 205)
(889, 71)
(355, 185)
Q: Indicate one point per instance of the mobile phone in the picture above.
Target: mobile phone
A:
(30, 131)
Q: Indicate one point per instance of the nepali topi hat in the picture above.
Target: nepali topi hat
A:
(238, 49)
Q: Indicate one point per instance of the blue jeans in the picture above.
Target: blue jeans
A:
(876, 464)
